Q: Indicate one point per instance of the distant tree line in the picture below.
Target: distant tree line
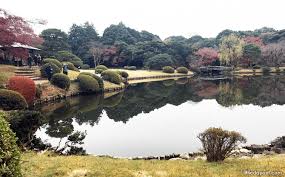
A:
(123, 46)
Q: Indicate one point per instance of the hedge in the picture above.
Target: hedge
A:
(85, 66)
(61, 80)
(111, 76)
(11, 100)
(88, 83)
(9, 151)
(168, 69)
(182, 70)
(25, 86)
(54, 61)
(99, 79)
(54, 67)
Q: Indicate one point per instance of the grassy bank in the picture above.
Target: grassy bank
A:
(46, 165)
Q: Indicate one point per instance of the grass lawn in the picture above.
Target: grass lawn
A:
(147, 73)
(48, 165)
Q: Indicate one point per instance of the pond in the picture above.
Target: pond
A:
(165, 117)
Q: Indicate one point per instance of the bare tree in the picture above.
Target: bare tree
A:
(97, 51)
(274, 54)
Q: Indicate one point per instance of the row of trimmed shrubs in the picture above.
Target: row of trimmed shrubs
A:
(169, 69)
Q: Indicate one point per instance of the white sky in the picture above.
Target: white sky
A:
(162, 17)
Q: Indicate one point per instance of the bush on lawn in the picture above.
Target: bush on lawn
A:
(9, 151)
(111, 76)
(71, 66)
(168, 69)
(100, 68)
(88, 84)
(99, 79)
(182, 70)
(11, 100)
(53, 66)
(124, 74)
(25, 86)
(54, 61)
(61, 80)
(218, 143)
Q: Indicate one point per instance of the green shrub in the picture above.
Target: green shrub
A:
(71, 66)
(9, 151)
(266, 70)
(85, 66)
(54, 61)
(99, 79)
(218, 143)
(53, 66)
(130, 67)
(99, 71)
(61, 80)
(101, 67)
(124, 74)
(11, 100)
(111, 76)
(168, 69)
(182, 70)
(88, 84)
(77, 64)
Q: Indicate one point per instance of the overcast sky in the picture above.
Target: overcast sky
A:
(162, 17)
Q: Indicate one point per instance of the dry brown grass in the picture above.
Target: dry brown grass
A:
(48, 165)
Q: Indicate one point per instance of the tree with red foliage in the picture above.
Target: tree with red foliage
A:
(25, 86)
(14, 29)
(207, 55)
(254, 40)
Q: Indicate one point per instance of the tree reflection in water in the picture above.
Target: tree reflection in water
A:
(144, 98)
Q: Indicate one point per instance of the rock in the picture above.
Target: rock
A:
(185, 156)
(200, 158)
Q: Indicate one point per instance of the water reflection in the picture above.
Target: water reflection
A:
(115, 124)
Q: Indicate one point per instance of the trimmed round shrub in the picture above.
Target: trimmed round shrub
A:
(70, 66)
(88, 83)
(101, 67)
(99, 79)
(55, 69)
(99, 71)
(85, 66)
(25, 86)
(124, 74)
(182, 70)
(61, 80)
(77, 64)
(54, 61)
(11, 100)
(168, 69)
(266, 70)
(111, 76)
(9, 151)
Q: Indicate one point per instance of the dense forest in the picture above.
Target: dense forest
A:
(121, 46)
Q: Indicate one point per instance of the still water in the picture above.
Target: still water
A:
(165, 117)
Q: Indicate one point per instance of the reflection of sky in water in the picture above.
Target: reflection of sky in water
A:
(173, 129)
